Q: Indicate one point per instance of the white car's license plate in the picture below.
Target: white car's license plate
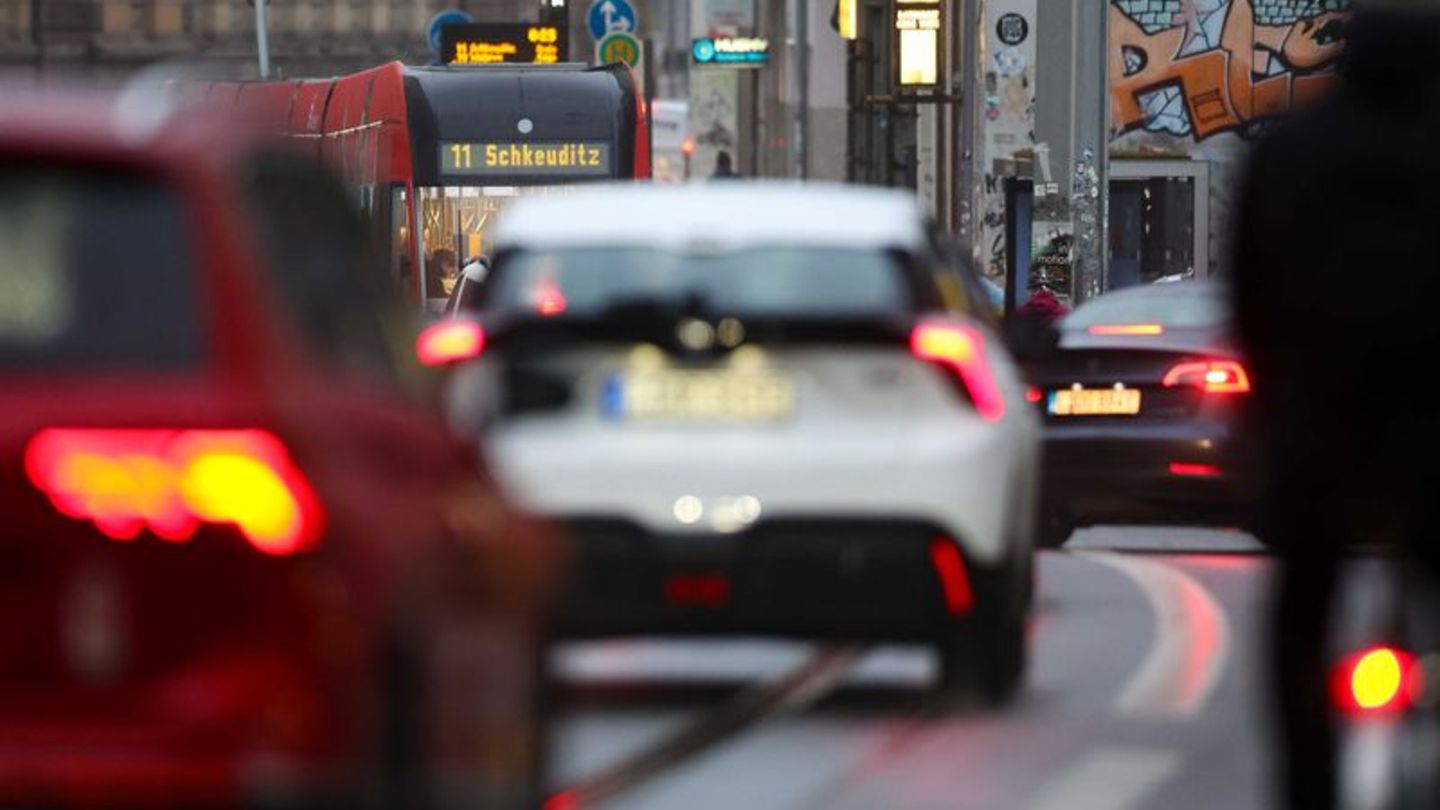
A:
(700, 396)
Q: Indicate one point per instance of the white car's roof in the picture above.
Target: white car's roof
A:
(721, 215)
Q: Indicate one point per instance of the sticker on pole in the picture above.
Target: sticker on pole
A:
(610, 16)
(620, 47)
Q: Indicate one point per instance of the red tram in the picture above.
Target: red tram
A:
(433, 153)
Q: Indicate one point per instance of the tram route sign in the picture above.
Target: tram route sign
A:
(620, 47)
(517, 158)
(503, 43)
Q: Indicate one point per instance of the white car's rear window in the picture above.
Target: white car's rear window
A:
(761, 281)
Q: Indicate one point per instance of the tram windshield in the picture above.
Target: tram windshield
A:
(455, 222)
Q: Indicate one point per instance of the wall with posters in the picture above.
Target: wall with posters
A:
(1007, 116)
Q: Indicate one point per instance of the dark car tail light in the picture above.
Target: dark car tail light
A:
(961, 348)
(1377, 680)
(954, 579)
(173, 481)
(1210, 376)
(449, 342)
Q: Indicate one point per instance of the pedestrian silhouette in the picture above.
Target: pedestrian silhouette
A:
(724, 170)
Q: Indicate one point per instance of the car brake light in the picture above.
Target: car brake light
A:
(1210, 376)
(171, 481)
(954, 579)
(962, 349)
(449, 342)
(1033, 394)
(1128, 329)
(549, 298)
(1379, 679)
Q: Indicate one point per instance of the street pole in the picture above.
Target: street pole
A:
(1089, 182)
(802, 72)
(262, 39)
(37, 33)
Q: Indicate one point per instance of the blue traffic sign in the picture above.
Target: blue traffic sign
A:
(453, 16)
(609, 16)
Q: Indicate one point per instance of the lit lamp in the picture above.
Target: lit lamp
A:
(918, 26)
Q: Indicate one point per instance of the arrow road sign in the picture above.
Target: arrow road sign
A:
(609, 16)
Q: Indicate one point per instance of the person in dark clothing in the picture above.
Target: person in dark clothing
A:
(724, 167)
(1336, 271)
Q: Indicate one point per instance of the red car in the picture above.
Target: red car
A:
(240, 561)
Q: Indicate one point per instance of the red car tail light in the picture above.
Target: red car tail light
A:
(449, 342)
(172, 481)
(1127, 329)
(1377, 680)
(962, 349)
(1212, 377)
(954, 579)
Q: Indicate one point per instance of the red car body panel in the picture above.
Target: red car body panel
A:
(228, 673)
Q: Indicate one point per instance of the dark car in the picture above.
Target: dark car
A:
(1140, 398)
(239, 563)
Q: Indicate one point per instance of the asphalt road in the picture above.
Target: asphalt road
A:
(1144, 690)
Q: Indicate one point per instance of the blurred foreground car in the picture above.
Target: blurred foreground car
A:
(758, 409)
(1140, 400)
(239, 563)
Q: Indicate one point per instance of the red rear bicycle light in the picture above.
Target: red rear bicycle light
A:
(962, 349)
(954, 579)
(1033, 394)
(1210, 376)
(1377, 680)
(172, 481)
(1127, 329)
(449, 342)
(1195, 470)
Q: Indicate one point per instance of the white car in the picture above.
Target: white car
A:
(758, 409)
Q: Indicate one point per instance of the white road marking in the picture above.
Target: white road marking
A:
(1192, 641)
(1111, 778)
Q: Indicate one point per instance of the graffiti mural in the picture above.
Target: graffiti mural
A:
(1196, 68)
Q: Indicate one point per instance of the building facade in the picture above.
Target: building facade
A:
(307, 37)
(1126, 169)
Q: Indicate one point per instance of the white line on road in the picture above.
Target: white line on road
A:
(1108, 779)
(1192, 640)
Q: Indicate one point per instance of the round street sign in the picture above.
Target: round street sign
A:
(609, 16)
(619, 47)
(452, 16)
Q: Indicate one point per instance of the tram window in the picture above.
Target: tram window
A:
(316, 246)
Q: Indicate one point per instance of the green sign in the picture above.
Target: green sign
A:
(619, 46)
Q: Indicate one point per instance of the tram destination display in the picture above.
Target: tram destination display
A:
(503, 43)
(493, 158)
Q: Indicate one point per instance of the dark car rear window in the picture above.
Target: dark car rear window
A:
(1180, 307)
(95, 271)
(778, 281)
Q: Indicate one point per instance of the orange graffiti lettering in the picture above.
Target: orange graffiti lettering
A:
(1256, 72)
